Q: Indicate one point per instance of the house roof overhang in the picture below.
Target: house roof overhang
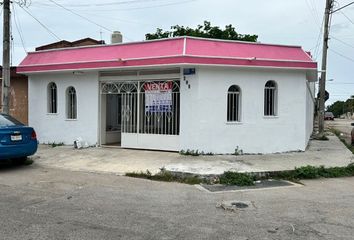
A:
(174, 51)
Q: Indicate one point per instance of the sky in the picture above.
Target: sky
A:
(274, 21)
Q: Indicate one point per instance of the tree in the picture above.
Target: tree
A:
(340, 107)
(337, 108)
(204, 31)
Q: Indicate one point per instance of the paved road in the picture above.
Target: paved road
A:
(42, 203)
(343, 125)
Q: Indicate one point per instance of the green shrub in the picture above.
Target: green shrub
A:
(235, 178)
(238, 151)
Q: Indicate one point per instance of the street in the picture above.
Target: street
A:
(46, 203)
(342, 125)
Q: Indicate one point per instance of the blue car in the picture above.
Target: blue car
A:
(17, 141)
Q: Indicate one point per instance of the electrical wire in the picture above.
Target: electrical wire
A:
(351, 21)
(79, 15)
(138, 8)
(110, 3)
(44, 26)
(318, 44)
(342, 55)
(338, 9)
(341, 41)
(19, 29)
(313, 11)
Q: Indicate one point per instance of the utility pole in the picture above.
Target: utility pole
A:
(322, 88)
(6, 58)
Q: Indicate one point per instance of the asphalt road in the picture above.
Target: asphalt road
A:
(343, 125)
(41, 203)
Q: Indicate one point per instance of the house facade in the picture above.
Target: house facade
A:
(174, 94)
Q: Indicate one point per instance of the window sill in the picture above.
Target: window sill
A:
(234, 123)
(71, 120)
(270, 117)
(52, 114)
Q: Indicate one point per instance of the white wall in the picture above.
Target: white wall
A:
(310, 107)
(203, 111)
(56, 127)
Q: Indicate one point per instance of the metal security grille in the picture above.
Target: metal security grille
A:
(52, 98)
(233, 104)
(136, 118)
(165, 121)
(71, 103)
(270, 98)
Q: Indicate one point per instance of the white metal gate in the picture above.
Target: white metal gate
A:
(135, 118)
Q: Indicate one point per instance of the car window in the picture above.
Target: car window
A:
(6, 120)
(329, 114)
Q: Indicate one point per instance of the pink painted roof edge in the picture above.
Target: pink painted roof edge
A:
(168, 39)
(27, 67)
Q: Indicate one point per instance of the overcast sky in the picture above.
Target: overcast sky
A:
(275, 21)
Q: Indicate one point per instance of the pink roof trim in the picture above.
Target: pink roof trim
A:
(168, 51)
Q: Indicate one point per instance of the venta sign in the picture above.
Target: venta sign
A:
(158, 97)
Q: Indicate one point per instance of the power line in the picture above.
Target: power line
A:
(111, 3)
(44, 26)
(347, 17)
(347, 44)
(79, 15)
(19, 29)
(340, 83)
(318, 43)
(338, 9)
(342, 55)
(146, 7)
(313, 10)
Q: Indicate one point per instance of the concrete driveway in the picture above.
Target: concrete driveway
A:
(120, 161)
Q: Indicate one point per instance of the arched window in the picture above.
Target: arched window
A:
(71, 103)
(234, 104)
(270, 99)
(52, 97)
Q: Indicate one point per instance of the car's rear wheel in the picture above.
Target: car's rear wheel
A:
(19, 161)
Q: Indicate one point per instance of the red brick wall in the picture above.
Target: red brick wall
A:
(18, 96)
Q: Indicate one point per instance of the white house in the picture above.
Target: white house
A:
(174, 94)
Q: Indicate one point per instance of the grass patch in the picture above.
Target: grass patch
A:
(235, 178)
(54, 144)
(190, 152)
(322, 138)
(339, 134)
(311, 172)
(244, 179)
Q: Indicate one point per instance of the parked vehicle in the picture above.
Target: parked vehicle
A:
(329, 116)
(17, 141)
(352, 134)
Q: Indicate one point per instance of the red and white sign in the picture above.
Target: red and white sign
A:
(158, 97)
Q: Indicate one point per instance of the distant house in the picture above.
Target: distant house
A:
(66, 44)
(174, 94)
(18, 95)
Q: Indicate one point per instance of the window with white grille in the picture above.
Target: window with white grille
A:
(52, 98)
(71, 103)
(270, 99)
(234, 104)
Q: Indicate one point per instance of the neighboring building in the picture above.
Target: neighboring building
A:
(67, 44)
(18, 95)
(174, 94)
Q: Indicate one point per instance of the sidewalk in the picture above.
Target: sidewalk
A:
(119, 161)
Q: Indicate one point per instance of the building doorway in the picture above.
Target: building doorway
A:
(139, 114)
